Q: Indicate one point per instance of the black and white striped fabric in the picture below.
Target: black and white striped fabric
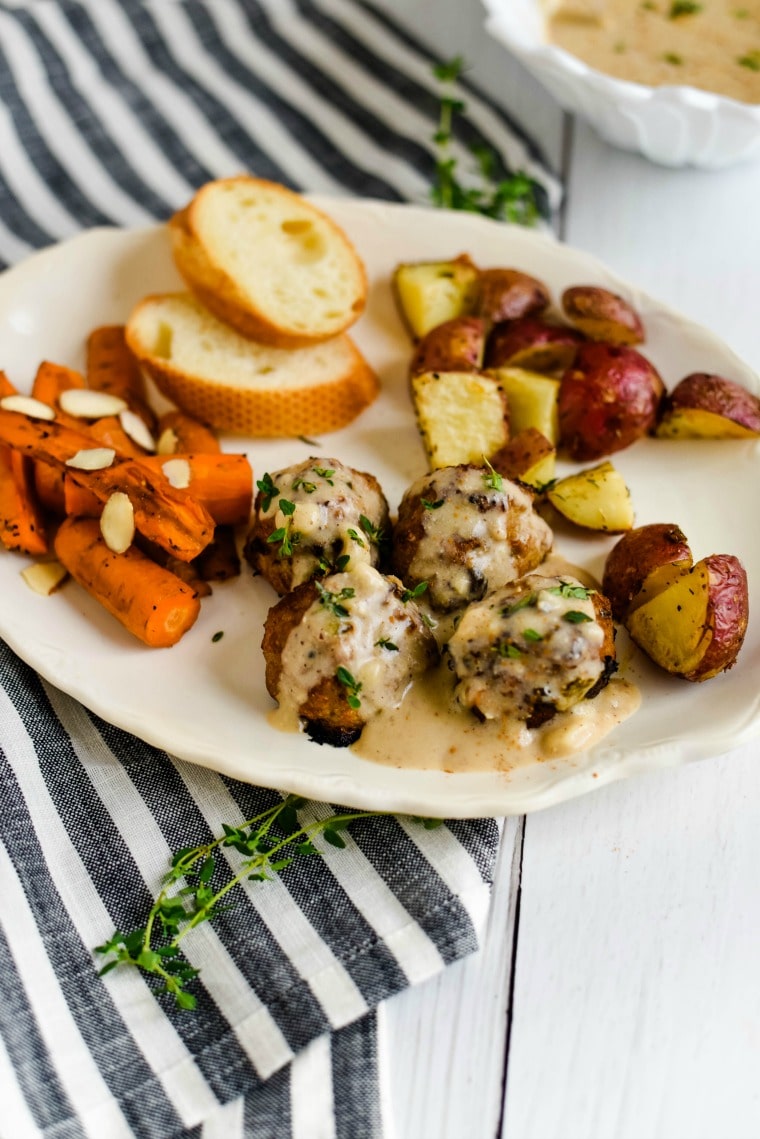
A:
(113, 112)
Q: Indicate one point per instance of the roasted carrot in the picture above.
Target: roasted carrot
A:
(221, 483)
(190, 435)
(170, 518)
(110, 433)
(149, 601)
(111, 367)
(50, 380)
(22, 523)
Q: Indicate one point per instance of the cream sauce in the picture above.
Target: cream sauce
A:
(710, 44)
(539, 636)
(327, 502)
(359, 624)
(438, 735)
(475, 536)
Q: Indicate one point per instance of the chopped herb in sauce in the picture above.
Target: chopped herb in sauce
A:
(751, 60)
(683, 8)
(333, 602)
(431, 505)
(673, 58)
(569, 589)
(268, 491)
(413, 594)
(492, 479)
(351, 685)
(386, 643)
(575, 617)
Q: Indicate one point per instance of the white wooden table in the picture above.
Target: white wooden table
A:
(618, 993)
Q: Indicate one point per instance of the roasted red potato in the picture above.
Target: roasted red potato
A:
(637, 565)
(428, 293)
(703, 406)
(507, 294)
(608, 399)
(695, 627)
(533, 344)
(602, 315)
(594, 499)
(457, 345)
(528, 458)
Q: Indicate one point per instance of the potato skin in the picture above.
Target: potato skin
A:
(326, 713)
(602, 315)
(702, 392)
(638, 553)
(456, 345)
(608, 399)
(533, 344)
(695, 628)
(728, 612)
(506, 294)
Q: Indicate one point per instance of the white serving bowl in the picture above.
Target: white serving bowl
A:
(675, 126)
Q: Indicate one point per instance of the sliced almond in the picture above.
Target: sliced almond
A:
(167, 442)
(117, 522)
(44, 577)
(177, 472)
(84, 403)
(137, 430)
(92, 459)
(34, 408)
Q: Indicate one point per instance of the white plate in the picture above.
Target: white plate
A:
(205, 701)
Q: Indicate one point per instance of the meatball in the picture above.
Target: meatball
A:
(314, 518)
(466, 530)
(533, 649)
(340, 649)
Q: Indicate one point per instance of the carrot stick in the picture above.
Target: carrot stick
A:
(49, 382)
(190, 434)
(109, 432)
(22, 523)
(170, 518)
(149, 601)
(111, 367)
(221, 483)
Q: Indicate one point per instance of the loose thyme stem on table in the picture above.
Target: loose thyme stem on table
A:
(178, 909)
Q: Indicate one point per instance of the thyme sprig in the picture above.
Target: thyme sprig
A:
(512, 198)
(268, 843)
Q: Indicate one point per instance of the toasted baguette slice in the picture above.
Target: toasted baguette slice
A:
(267, 262)
(237, 385)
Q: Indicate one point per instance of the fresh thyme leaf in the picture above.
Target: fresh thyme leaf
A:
(355, 537)
(217, 636)
(492, 479)
(285, 535)
(308, 442)
(325, 473)
(683, 8)
(524, 602)
(386, 643)
(750, 60)
(352, 686)
(268, 491)
(413, 594)
(508, 649)
(673, 58)
(575, 617)
(512, 198)
(569, 589)
(432, 505)
(374, 533)
(287, 507)
(333, 602)
(300, 483)
(532, 635)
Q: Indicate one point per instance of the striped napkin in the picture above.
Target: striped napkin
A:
(113, 112)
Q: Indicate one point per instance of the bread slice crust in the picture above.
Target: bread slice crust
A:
(236, 384)
(268, 262)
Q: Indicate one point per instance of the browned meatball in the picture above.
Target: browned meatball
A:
(313, 518)
(533, 649)
(340, 649)
(465, 530)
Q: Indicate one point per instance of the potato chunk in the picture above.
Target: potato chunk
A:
(462, 416)
(431, 292)
(532, 400)
(596, 499)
